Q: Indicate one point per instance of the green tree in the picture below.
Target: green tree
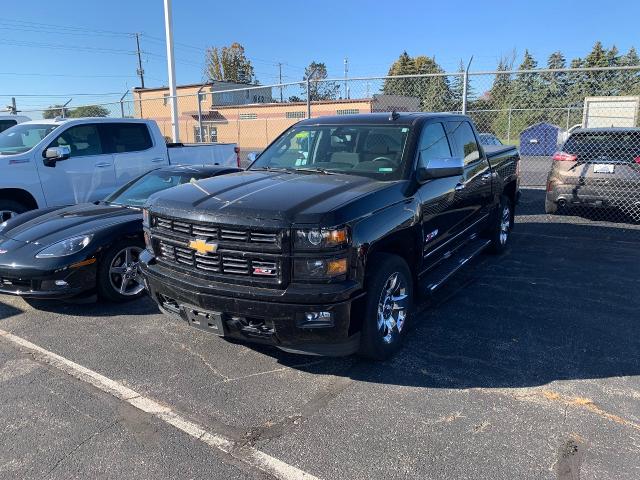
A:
(629, 80)
(53, 111)
(89, 111)
(434, 91)
(229, 64)
(457, 89)
(319, 88)
(555, 83)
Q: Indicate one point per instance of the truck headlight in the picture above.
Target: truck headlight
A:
(316, 238)
(68, 246)
(319, 268)
(145, 218)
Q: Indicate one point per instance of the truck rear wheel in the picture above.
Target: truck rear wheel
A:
(11, 208)
(501, 231)
(389, 307)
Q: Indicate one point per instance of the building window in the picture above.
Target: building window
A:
(209, 133)
(295, 114)
(248, 116)
(348, 111)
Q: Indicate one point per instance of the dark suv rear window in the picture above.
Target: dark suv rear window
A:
(621, 146)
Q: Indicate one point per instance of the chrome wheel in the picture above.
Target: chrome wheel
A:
(392, 307)
(124, 274)
(6, 215)
(505, 224)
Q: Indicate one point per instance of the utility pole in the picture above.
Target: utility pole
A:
(171, 67)
(14, 108)
(140, 71)
(280, 75)
(346, 74)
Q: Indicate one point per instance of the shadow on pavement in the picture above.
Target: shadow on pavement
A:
(561, 303)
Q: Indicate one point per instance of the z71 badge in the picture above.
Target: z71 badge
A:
(430, 236)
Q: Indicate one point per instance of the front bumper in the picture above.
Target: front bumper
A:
(267, 316)
(42, 283)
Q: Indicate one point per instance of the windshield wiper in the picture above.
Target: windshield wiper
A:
(267, 168)
(315, 170)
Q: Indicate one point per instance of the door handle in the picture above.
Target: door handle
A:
(157, 160)
(486, 177)
(103, 165)
(459, 187)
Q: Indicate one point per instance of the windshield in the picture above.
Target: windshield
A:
(23, 137)
(366, 150)
(136, 193)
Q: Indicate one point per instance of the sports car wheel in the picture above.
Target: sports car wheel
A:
(119, 279)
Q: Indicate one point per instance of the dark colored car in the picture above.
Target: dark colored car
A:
(596, 167)
(487, 139)
(323, 244)
(60, 253)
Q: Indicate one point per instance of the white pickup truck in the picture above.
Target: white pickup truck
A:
(46, 163)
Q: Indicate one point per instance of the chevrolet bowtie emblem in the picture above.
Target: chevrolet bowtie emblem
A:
(201, 246)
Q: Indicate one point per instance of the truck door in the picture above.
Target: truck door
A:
(133, 150)
(441, 203)
(475, 190)
(87, 175)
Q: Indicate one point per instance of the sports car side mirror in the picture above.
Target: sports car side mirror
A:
(56, 154)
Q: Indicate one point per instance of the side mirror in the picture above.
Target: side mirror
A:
(252, 157)
(56, 154)
(440, 168)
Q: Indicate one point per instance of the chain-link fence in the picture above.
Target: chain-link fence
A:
(592, 177)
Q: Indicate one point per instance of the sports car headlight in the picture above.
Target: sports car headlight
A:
(316, 238)
(65, 247)
(3, 225)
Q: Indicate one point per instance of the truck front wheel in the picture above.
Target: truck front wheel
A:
(389, 307)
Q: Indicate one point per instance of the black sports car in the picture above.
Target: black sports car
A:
(62, 252)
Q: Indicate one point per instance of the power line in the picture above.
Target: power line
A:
(60, 28)
(59, 46)
(34, 74)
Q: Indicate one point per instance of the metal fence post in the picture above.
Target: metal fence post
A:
(122, 103)
(465, 83)
(308, 97)
(509, 127)
(200, 114)
(568, 117)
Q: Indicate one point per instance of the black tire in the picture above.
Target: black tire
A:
(377, 341)
(500, 233)
(550, 207)
(7, 206)
(107, 281)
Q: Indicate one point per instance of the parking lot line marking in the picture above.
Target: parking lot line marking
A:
(247, 454)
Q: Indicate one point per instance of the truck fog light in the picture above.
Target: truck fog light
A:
(315, 319)
(61, 283)
(337, 267)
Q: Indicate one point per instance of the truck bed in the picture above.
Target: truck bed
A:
(202, 154)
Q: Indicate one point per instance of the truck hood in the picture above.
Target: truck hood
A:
(275, 198)
(56, 225)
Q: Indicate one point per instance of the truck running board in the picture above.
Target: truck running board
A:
(435, 278)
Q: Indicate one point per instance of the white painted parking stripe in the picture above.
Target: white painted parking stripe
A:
(249, 455)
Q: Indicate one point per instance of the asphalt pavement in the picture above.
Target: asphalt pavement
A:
(525, 365)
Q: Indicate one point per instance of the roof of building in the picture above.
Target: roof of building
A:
(194, 85)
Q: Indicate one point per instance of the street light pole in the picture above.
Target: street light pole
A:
(171, 67)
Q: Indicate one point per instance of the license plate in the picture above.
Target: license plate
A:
(603, 168)
(208, 321)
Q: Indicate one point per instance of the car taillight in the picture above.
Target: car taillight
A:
(237, 150)
(637, 159)
(564, 157)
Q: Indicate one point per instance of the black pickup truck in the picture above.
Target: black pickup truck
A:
(323, 244)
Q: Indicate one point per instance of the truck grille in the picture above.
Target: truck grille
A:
(217, 232)
(221, 262)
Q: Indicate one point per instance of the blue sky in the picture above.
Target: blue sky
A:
(67, 48)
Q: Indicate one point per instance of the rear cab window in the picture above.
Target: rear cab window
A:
(127, 137)
(4, 124)
(464, 141)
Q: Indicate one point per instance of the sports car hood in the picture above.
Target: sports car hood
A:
(66, 222)
(271, 197)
